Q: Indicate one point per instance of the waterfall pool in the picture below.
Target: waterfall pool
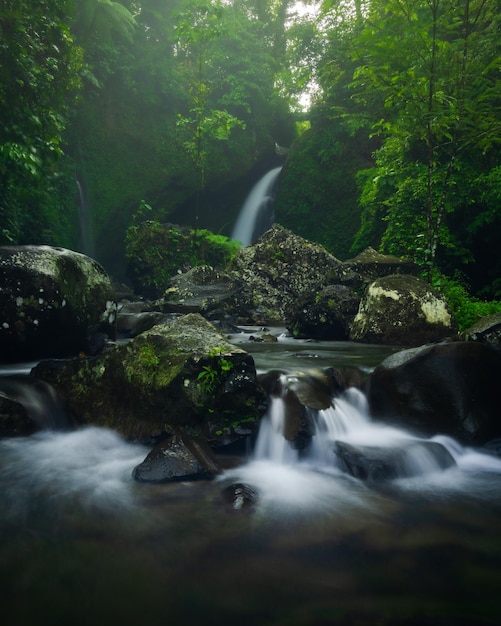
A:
(82, 543)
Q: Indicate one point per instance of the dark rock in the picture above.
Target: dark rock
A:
(380, 464)
(133, 324)
(14, 418)
(326, 315)
(402, 310)
(450, 388)
(314, 389)
(493, 447)
(178, 458)
(53, 302)
(370, 265)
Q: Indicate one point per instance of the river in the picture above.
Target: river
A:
(83, 544)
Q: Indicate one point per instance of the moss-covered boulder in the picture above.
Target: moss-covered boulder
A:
(53, 302)
(402, 310)
(181, 373)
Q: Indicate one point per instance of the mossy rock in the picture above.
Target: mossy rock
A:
(180, 373)
(402, 310)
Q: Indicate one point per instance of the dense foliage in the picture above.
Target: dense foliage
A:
(422, 78)
(39, 80)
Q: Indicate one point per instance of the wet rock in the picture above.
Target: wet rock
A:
(313, 389)
(380, 464)
(450, 388)
(402, 310)
(486, 330)
(240, 496)
(180, 373)
(325, 315)
(14, 418)
(53, 302)
(493, 447)
(178, 458)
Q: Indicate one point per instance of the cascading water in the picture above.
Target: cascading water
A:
(86, 239)
(256, 214)
(347, 445)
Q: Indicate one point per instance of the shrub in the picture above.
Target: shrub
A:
(466, 308)
(156, 252)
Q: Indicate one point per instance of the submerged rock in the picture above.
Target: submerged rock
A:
(380, 463)
(240, 496)
(402, 310)
(450, 388)
(53, 302)
(181, 373)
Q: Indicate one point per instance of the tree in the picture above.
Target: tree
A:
(432, 67)
(39, 81)
(197, 28)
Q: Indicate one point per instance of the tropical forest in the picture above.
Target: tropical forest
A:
(384, 116)
(284, 416)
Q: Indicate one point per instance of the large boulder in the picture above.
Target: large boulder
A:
(450, 388)
(179, 374)
(53, 302)
(279, 268)
(402, 310)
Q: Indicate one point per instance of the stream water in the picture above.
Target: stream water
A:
(82, 543)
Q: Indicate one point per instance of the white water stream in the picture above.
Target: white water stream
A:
(308, 479)
(254, 217)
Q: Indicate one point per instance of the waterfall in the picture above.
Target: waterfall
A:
(86, 240)
(256, 214)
